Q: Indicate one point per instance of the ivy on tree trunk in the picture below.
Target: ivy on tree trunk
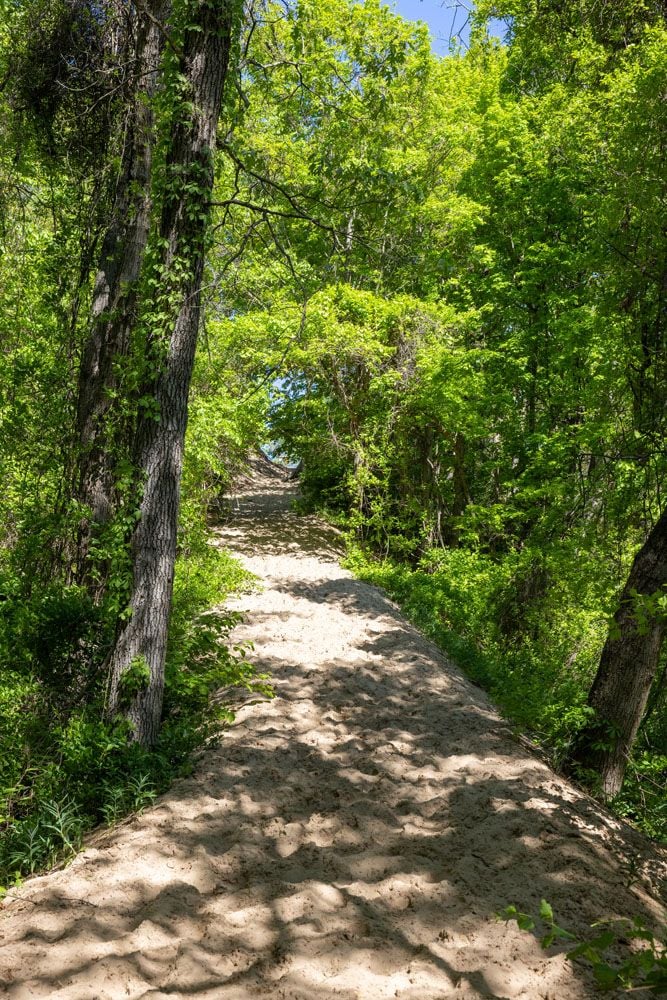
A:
(115, 294)
(174, 277)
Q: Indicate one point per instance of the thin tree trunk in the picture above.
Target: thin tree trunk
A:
(161, 427)
(461, 491)
(627, 669)
(114, 305)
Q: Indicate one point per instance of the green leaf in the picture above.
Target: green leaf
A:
(605, 975)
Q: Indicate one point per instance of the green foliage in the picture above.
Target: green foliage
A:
(521, 652)
(131, 798)
(470, 360)
(204, 666)
(642, 799)
(59, 68)
(134, 680)
(201, 663)
(536, 653)
(615, 963)
(54, 831)
(63, 769)
(438, 282)
(57, 639)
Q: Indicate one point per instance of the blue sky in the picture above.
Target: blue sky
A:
(444, 17)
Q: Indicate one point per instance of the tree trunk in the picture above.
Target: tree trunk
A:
(170, 350)
(627, 669)
(114, 306)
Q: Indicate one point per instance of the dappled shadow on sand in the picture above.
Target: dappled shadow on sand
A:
(262, 520)
(351, 839)
(288, 535)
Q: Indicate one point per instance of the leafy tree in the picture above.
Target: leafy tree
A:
(440, 283)
(527, 426)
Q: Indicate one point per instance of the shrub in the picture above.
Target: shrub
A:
(64, 767)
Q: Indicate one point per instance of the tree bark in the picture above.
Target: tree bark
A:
(114, 305)
(170, 349)
(627, 669)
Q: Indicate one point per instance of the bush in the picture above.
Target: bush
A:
(64, 768)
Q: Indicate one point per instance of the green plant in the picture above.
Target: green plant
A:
(608, 952)
(134, 680)
(138, 792)
(55, 832)
(64, 771)
(142, 792)
(115, 804)
(203, 663)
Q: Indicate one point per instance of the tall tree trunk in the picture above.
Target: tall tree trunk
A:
(114, 306)
(186, 197)
(627, 669)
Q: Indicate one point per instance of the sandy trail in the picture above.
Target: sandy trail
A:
(352, 838)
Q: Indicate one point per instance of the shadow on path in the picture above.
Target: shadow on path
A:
(352, 838)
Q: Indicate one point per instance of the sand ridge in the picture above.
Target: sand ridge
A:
(352, 838)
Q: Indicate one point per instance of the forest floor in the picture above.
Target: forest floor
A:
(352, 838)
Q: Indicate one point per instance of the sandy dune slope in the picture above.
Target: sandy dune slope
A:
(351, 838)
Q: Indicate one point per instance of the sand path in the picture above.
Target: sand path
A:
(350, 839)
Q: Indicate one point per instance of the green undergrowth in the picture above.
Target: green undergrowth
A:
(532, 640)
(623, 955)
(63, 768)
